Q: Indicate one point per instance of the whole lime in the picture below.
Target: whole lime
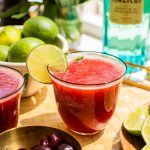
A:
(9, 35)
(3, 52)
(40, 27)
(19, 51)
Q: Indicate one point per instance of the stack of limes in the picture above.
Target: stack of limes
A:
(36, 31)
(138, 123)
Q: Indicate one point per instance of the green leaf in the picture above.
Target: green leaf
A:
(10, 11)
(68, 3)
(27, 5)
(18, 16)
(79, 58)
(50, 9)
(21, 8)
(66, 54)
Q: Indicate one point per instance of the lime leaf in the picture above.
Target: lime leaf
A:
(79, 58)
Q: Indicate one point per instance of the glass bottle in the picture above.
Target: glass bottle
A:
(69, 24)
(126, 29)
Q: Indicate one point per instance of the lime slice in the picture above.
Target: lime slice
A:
(134, 121)
(43, 56)
(146, 147)
(146, 130)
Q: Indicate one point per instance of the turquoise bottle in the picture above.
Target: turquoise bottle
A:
(126, 29)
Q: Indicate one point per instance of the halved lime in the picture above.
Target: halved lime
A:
(134, 121)
(146, 130)
(146, 147)
(43, 56)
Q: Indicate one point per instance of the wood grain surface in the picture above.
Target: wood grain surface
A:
(41, 109)
(129, 141)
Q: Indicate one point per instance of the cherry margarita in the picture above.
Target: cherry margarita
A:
(87, 92)
(11, 85)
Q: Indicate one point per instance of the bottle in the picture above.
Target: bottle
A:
(69, 24)
(126, 29)
(68, 20)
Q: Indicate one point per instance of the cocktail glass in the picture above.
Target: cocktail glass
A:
(86, 108)
(10, 103)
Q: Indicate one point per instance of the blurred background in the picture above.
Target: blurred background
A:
(86, 28)
(80, 21)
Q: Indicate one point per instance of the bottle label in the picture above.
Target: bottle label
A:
(126, 11)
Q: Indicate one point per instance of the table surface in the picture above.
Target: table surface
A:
(41, 109)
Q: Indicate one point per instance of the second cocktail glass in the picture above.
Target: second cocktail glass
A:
(87, 93)
(11, 86)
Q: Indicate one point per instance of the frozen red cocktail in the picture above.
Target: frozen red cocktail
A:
(87, 92)
(11, 85)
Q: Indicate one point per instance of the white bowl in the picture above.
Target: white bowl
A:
(31, 85)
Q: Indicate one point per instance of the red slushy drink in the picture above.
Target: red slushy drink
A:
(11, 85)
(87, 92)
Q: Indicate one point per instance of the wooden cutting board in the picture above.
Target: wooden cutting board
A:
(41, 109)
(130, 142)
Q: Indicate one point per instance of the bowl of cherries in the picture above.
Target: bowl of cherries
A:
(37, 138)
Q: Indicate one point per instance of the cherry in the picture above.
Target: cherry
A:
(65, 147)
(44, 141)
(54, 140)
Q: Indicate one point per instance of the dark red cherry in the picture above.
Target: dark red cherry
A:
(54, 140)
(65, 147)
(44, 141)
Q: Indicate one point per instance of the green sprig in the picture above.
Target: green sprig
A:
(79, 58)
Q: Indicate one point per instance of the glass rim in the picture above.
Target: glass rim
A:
(20, 87)
(104, 83)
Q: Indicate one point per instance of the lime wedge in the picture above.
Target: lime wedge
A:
(146, 130)
(134, 121)
(146, 147)
(43, 56)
